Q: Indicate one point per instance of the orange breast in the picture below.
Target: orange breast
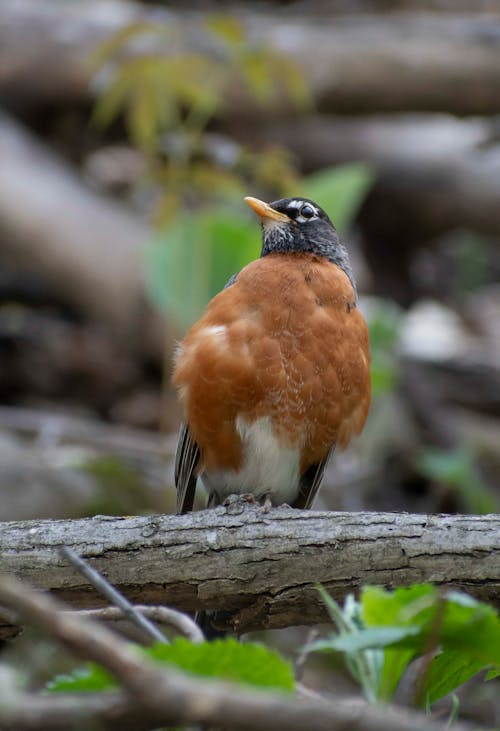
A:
(285, 341)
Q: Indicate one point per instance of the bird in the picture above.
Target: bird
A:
(276, 372)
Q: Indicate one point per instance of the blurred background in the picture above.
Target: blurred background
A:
(129, 134)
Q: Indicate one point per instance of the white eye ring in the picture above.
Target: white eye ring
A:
(307, 211)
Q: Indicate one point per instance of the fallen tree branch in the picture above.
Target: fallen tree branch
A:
(363, 64)
(93, 433)
(262, 568)
(154, 695)
(179, 621)
(91, 255)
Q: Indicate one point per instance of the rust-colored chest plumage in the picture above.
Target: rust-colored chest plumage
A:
(285, 348)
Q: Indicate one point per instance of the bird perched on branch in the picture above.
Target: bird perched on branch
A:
(275, 373)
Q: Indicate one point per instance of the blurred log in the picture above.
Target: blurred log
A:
(264, 568)
(434, 174)
(87, 247)
(414, 202)
(360, 64)
(98, 435)
(321, 140)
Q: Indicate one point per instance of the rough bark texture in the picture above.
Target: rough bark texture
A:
(389, 63)
(262, 567)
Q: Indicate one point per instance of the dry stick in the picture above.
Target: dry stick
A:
(168, 696)
(162, 615)
(114, 596)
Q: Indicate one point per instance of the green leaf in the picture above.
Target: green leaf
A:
(448, 671)
(384, 323)
(404, 606)
(89, 678)
(110, 104)
(366, 639)
(461, 624)
(227, 28)
(345, 618)
(339, 191)
(386, 630)
(471, 627)
(228, 659)
(492, 674)
(384, 377)
(192, 259)
(117, 42)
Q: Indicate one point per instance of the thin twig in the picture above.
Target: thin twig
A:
(114, 596)
(303, 654)
(162, 615)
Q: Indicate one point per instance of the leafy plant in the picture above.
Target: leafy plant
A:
(384, 323)
(167, 93)
(454, 636)
(192, 259)
(227, 659)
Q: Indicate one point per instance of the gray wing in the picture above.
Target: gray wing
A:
(187, 458)
(310, 482)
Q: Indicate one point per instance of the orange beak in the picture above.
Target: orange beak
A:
(264, 210)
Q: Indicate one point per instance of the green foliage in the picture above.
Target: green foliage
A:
(192, 259)
(168, 97)
(457, 469)
(384, 323)
(88, 679)
(226, 659)
(383, 632)
(449, 670)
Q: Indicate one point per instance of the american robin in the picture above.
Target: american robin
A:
(275, 373)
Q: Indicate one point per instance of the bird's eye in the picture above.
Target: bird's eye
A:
(307, 211)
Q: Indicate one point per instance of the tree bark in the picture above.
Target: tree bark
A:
(360, 64)
(263, 568)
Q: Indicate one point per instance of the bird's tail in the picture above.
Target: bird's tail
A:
(209, 622)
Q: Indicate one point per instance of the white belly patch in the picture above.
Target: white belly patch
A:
(268, 466)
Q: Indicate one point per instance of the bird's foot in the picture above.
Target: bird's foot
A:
(236, 504)
(250, 498)
(267, 503)
(235, 497)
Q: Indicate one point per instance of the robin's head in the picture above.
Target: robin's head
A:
(300, 225)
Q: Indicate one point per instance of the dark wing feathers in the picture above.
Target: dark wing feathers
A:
(187, 458)
(310, 482)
